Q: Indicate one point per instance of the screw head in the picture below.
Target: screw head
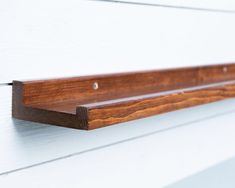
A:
(95, 85)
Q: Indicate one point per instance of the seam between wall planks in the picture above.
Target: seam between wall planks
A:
(116, 143)
(168, 6)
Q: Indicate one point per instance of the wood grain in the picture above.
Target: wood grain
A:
(111, 112)
(77, 102)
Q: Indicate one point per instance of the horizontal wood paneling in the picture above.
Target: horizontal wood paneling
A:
(155, 160)
(56, 38)
(23, 144)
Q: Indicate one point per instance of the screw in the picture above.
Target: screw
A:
(225, 69)
(95, 86)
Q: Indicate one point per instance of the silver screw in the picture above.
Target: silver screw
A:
(95, 86)
(225, 69)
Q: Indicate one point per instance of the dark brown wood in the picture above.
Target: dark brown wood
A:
(96, 101)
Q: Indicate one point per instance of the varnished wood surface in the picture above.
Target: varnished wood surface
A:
(113, 86)
(71, 102)
(111, 112)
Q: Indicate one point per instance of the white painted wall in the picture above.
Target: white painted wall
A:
(51, 38)
(54, 38)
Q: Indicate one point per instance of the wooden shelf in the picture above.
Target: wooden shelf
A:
(96, 101)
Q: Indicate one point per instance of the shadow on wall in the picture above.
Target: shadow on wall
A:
(220, 176)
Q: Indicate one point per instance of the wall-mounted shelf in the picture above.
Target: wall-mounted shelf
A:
(91, 102)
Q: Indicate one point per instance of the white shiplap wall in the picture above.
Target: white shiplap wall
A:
(153, 152)
(51, 38)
